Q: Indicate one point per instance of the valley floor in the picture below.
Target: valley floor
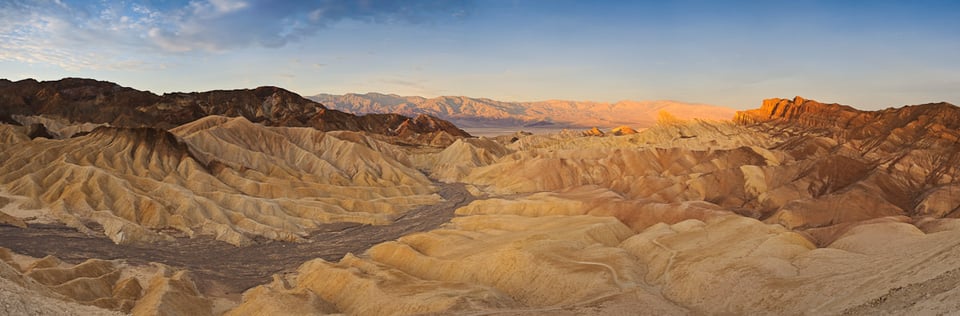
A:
(222, 269)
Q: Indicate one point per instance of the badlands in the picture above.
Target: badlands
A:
(259, 202)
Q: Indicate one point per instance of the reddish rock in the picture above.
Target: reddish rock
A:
(888, 129)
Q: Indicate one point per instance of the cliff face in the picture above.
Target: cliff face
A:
(86, 100)
(915, 125)
(899, 156)
(799, 110)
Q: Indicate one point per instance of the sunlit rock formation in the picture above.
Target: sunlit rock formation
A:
(66, 289)
(785, 211)
(623, 130)
(775, 212)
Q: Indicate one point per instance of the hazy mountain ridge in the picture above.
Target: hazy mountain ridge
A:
(483, 112)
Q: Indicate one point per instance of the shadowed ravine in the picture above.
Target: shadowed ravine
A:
(222, 269)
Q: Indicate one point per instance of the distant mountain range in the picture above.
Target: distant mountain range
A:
(92, 101)
(482, 112)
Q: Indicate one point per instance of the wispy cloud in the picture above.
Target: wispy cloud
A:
(53, 33)
(108, 34)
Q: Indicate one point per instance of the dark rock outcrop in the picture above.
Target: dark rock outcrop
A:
(87, 100)
(38, 130)
(83, 100)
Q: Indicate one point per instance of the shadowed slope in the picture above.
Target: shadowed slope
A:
(91, 101)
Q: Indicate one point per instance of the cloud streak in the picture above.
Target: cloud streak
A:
(51, 32)
(104, 34)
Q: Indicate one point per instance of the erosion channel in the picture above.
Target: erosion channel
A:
(223, 269)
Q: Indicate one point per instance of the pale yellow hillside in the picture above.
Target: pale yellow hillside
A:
(227, 178)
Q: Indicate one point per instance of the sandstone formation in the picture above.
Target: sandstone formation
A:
(594, 131)
(68, 289)
(622, 130)
(223, 177)
(482, 262)
(455, 161)
(797, 207)
(616, 131)
(480, 112)
(774, 210)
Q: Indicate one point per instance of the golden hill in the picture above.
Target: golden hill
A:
(224, 177)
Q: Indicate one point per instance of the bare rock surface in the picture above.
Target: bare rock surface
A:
(100, 102)
(223, 177)
(775, 212)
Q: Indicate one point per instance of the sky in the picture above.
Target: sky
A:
(869, 54)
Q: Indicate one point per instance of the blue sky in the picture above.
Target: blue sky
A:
(870, 54)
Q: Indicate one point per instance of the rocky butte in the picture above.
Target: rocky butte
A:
(253, 202)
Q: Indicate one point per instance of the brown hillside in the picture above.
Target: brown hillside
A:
(92, 101)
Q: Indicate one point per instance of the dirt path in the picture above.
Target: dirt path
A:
(222, 269)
